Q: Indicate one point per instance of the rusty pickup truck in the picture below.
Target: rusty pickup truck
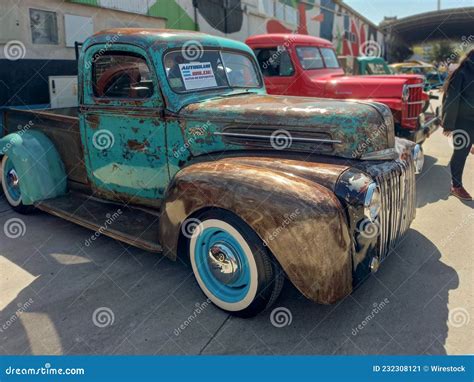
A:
(177, 148)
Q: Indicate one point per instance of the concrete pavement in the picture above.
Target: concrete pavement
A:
(58, 296)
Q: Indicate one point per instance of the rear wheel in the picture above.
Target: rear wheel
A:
(232, 266)
(11, 187)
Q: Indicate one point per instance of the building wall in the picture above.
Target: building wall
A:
(25, 81)
(238, 19)
(350, 33)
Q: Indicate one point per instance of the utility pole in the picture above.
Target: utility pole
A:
(439, 5)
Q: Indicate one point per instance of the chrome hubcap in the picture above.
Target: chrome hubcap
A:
(12, 179)
(224, 263)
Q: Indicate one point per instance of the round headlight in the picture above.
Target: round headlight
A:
(418, 158)
(372, 202)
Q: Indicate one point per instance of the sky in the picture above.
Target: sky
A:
(375, 10)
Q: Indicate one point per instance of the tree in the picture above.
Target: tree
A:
(441, 51)
(398, 50)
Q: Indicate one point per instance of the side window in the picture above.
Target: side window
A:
(121, 75)
(275, 62)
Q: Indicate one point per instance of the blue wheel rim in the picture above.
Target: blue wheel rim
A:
(13, 191)
(234, 291)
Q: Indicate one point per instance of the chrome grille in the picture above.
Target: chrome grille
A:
(414, 105)
(397, 188)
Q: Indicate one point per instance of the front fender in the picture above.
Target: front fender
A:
(301, 222)
(38, 164)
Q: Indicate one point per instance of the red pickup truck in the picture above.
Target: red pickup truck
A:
(302, 65)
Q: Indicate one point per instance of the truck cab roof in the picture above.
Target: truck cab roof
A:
(146, 38)
(287, 38)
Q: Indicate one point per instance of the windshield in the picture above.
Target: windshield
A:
(213, 69)
(376, 68)
(311, 57)
(330, 58)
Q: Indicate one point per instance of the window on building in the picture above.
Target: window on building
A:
(274, 62)
(267, 7)
(291, 15)
(44, 27)
(118, 75)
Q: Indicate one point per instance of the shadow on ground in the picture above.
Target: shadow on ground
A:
(151, 305)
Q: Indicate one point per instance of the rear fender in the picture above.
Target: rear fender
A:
(301, 222)
(38, 164)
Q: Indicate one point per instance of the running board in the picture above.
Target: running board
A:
(131, 225)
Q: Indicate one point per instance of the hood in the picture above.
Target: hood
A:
(367, 87)
(349, 129)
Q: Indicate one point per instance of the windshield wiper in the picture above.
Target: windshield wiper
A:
(247, 91)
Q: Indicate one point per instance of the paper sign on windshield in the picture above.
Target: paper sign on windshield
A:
(198, 75)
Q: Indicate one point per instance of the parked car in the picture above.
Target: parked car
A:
(364, 65)
(303, 65)
(177, 148)
(434, 79)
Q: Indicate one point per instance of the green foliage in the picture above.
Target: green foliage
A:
(441, 51)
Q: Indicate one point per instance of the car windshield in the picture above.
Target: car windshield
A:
(376, 68)
(316, 58)
(310, 57)
(210, 69)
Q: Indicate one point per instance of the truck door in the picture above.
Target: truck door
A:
(121, 125)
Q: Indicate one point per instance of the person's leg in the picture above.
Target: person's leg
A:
(462, 146)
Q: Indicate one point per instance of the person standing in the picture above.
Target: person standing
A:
(458, 120)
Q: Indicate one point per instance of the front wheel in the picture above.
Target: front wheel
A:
(232, 266)
(11, 187)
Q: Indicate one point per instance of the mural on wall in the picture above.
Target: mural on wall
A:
(227, 19)
(350, 35)
(328, 19)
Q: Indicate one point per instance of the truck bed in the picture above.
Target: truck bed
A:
(61, 126)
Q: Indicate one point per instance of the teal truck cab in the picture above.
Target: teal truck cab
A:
(177, 148)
